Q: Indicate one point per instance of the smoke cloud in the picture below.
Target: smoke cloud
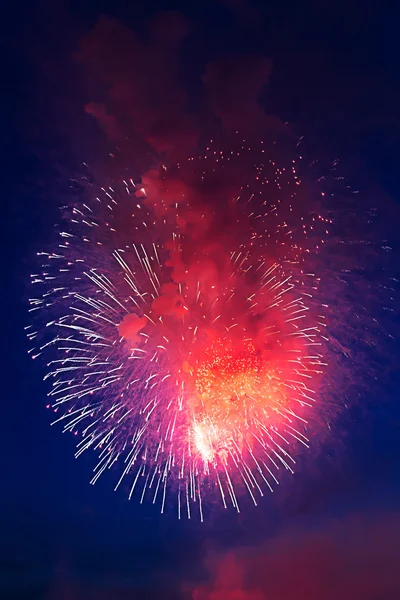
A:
(137, 78)
(137, 85)
(234, 86)
(352, 559)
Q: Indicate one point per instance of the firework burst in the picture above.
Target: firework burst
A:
(183, 327)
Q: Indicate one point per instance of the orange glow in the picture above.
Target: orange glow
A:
(227, 375)
(236, 388)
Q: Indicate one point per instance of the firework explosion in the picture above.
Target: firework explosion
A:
(184, 329)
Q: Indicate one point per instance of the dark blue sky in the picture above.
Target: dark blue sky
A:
(336, 78)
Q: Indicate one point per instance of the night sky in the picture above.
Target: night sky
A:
(332, 531)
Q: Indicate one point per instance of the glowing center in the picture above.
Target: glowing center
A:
(227, 375)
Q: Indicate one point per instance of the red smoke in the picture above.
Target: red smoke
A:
(234, 86)
(138, 79)
(130, 327)
(355, 559)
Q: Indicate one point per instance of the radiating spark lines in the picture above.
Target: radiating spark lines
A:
(184, 345)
